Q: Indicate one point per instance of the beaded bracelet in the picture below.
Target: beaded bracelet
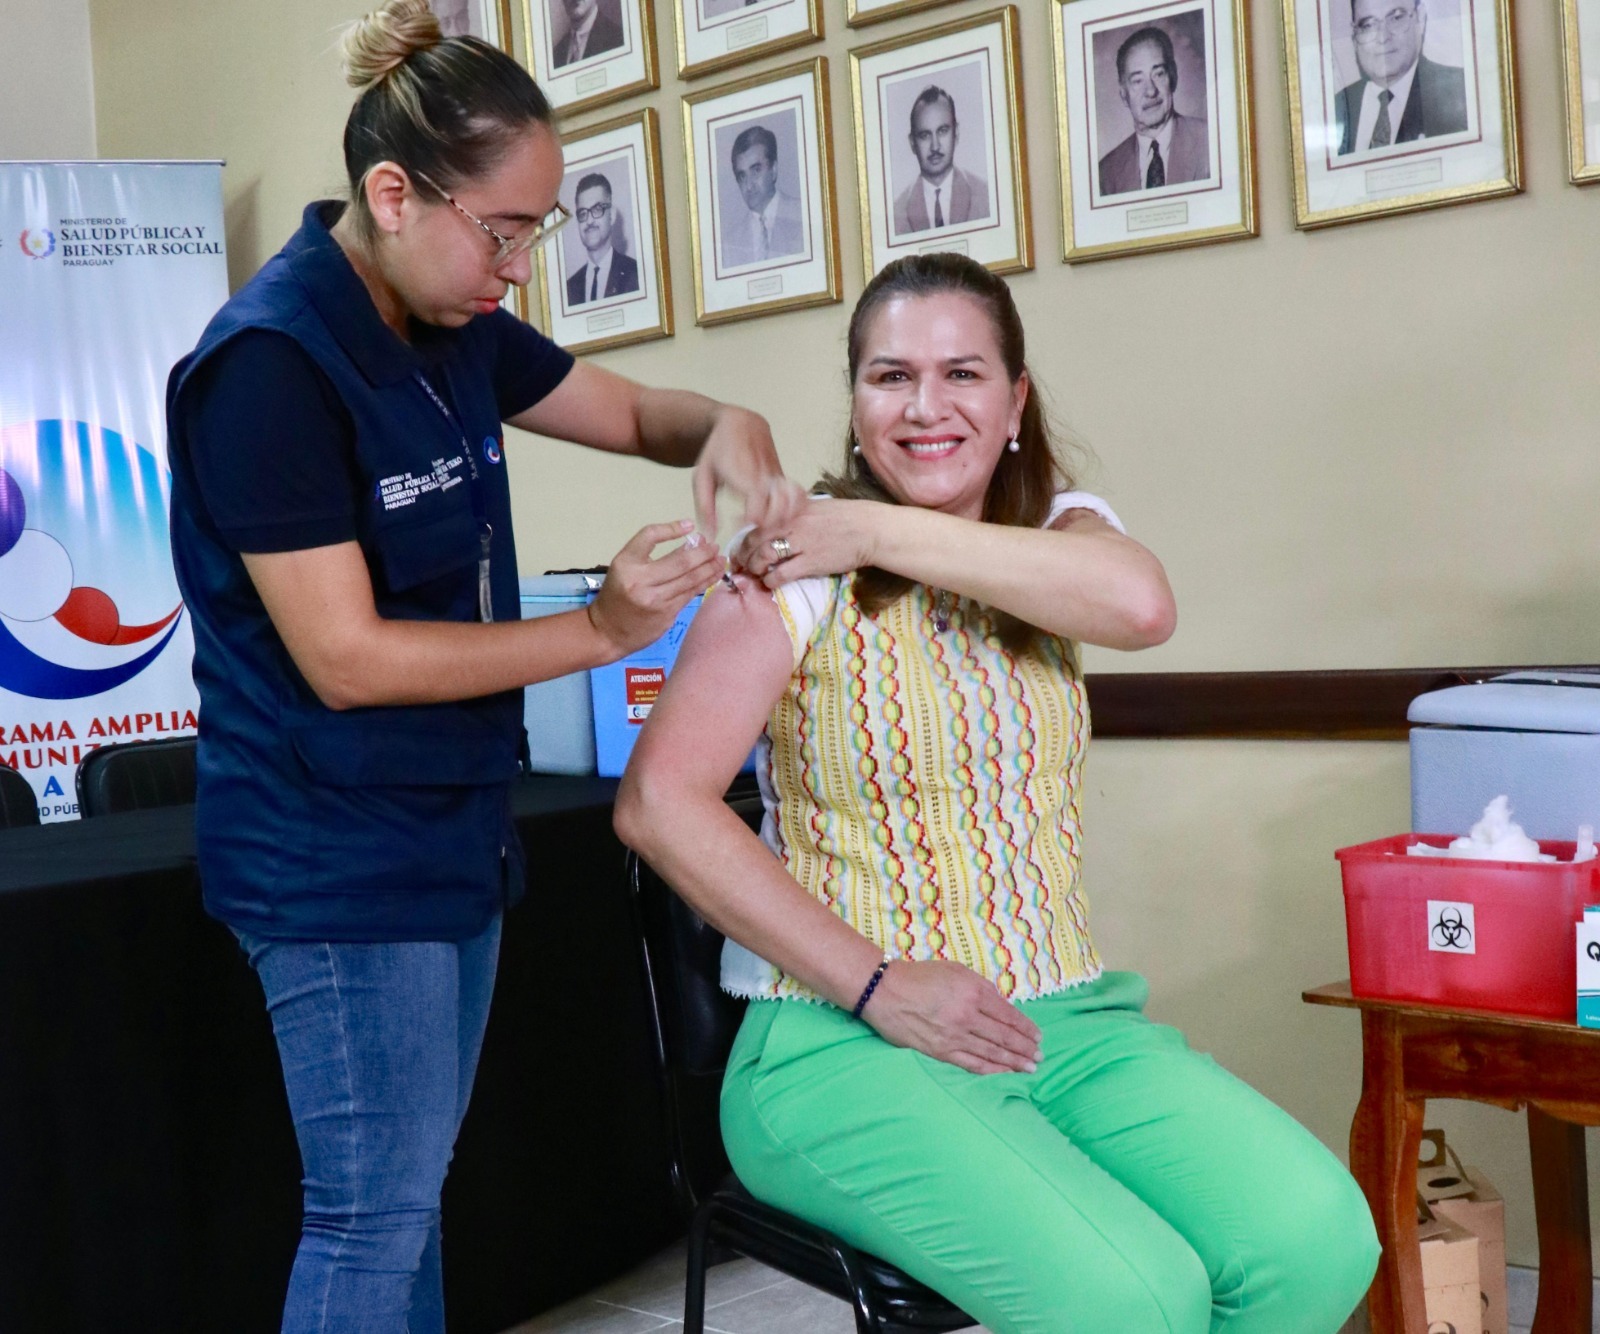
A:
(877, 977)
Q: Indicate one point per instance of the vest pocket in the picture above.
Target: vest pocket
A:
(416, 550)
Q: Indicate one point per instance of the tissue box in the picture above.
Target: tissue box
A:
(1450, 1276)
(1463, 1196)
(1534, 736)
(1589, 969)
(1479, 934)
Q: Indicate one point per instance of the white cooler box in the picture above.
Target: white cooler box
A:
(1534, 736)
(559, 714)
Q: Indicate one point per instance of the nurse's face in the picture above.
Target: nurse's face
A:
(443, 265)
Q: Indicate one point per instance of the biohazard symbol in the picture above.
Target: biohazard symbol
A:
(1450, 931)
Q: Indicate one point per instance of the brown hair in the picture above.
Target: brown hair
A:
(1024, 483)
(447, 108)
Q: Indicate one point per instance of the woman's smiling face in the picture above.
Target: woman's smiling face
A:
(933, 405)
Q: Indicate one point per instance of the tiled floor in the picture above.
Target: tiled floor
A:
(742, 1297)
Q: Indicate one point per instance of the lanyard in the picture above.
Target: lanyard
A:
(480, 500)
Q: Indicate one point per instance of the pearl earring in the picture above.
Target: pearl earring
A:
(856, 450)
(1012, 445)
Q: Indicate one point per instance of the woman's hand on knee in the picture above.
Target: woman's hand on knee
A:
(947, 1011)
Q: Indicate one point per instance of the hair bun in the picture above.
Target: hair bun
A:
(383, 40)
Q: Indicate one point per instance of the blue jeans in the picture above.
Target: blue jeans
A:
(379, 1044)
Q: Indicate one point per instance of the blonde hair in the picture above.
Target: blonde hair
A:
(447, 108)
(378, 43)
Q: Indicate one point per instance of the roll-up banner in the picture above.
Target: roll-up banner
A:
(108, 273)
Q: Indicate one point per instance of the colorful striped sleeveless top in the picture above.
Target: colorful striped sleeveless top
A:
(924, 784)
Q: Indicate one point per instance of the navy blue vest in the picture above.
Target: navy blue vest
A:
(376, 824)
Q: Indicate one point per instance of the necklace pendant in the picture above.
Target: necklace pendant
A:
(940, 623)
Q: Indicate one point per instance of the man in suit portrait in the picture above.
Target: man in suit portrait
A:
(943, 194)
(1401, 94)
(1165, 148)
(589, 32)
(606, 271)
(769, 226)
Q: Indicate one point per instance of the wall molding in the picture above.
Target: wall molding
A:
(1365, 705)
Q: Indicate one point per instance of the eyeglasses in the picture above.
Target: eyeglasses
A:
(509, 246)
(597, 212)
(1396, 20)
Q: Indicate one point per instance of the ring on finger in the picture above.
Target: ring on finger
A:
(780, 548)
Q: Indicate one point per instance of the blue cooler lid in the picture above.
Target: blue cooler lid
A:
(1543, 701)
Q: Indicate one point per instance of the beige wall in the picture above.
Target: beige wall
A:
(46, 80)
(1373, 446)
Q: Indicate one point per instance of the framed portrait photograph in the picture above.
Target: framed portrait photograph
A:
(1154, 129)
(940, 150)
(1580, 47)
(761, 202)
(586, 53)
(1399, 105)
(488, 19)
(603, 279)
(714, 34)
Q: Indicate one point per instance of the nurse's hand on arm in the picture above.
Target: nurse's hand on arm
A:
(732, 669)
(321, 603)
(729, 447)
(1079, 578)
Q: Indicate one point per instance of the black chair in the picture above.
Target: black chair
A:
(135, 776)
(18, 805)
(694, 1024)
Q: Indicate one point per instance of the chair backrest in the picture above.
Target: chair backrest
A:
(18, 805)
(136, 775)
(695, 1021)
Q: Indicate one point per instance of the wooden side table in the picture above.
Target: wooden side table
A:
(1412, 1052)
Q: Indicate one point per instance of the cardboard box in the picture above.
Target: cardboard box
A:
(1483, 1213)
(1450, 1277)
(1464, 1197)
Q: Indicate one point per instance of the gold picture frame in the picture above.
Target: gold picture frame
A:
(975, 60)
(1473, 153)
(633, 302)
(1583, 148)
(770, 132)
(1207, 189)
(598, 79)
(715, 35)
(859, 14)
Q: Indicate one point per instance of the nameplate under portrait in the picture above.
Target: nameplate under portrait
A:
(1153, 125)
(1580, 47)
(941, 153)
(588, 53)
(859, 13)
(761, 199)
(716, 34)
(604, 280)
(1399, 105)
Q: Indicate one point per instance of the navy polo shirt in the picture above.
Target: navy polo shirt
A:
(300, 421)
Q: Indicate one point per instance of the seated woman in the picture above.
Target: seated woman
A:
(967, 1094)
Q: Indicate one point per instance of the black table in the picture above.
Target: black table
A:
(149, 1179)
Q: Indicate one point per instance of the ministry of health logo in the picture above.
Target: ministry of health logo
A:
(37, 242)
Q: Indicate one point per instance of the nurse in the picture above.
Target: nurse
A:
(342, 535)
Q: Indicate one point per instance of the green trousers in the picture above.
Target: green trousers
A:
(1129, 1186)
